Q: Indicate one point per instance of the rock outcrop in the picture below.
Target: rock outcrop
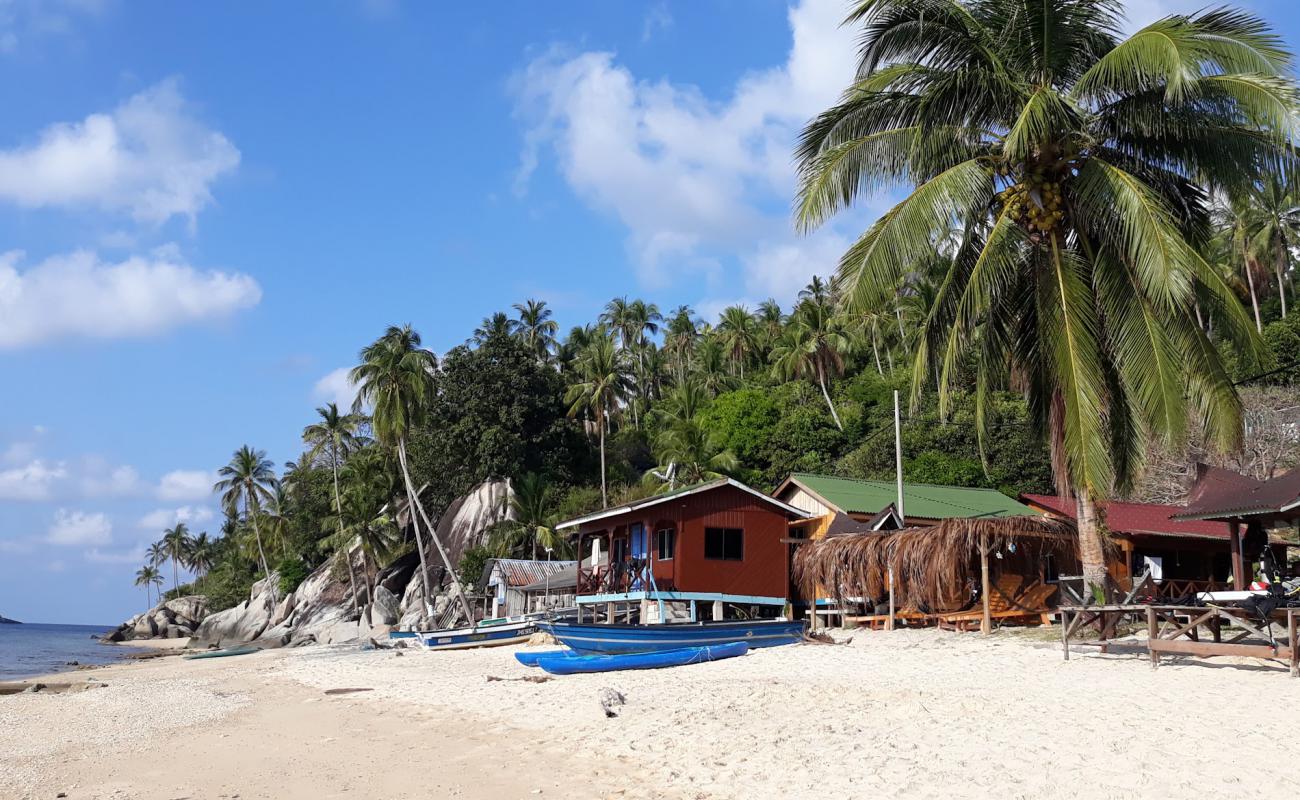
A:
(322, 609)
(7, 621)
(170, 619)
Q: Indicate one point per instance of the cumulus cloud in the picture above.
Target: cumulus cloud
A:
(134, 555)
(79, 528)
(688, 176)
(149, 157)
(79, 294)
(186, 484)
(335, 387)
(33, 481)
(102, 479)
(167, 517)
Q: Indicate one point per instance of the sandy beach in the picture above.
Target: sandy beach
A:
(921, 713)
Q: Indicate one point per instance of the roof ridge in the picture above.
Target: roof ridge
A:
(889, 482)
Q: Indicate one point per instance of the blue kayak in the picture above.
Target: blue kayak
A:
(560, 664)
(531, 659)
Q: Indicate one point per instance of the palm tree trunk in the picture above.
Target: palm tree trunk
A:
(1279, 264)
(251, 511)
(875, 350)
(604, 494)
(1092, 551)
(821, 381)
(902, 336)
(338, 516)
(175, 584)
(415, 521)
(1254, 297)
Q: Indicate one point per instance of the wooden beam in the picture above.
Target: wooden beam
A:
(1238, 567)
(1209, 649)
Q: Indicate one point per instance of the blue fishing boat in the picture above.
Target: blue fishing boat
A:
(479, 636)
(562, 664)
(601, 638)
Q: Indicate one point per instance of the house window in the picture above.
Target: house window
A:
(665, 544)
(724, 544)
(620, 550)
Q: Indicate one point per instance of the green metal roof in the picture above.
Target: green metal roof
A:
(919, 499)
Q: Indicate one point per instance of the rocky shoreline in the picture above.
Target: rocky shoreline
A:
(7, 621)
(322, 610)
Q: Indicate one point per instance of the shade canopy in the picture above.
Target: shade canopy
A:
(931, 565)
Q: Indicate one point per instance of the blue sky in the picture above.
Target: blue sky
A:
(206, 212)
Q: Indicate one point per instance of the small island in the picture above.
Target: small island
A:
(6, 621)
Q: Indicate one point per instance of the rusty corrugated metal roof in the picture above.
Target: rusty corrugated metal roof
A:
(523, 571)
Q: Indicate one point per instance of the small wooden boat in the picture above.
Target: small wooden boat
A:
(562, 664)
(229, 651)
(478, 636)
(598, 638)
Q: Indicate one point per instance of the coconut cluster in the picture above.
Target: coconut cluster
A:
(1034, 202)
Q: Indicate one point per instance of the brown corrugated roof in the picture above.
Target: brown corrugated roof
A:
(1220, 493)
(521, 571)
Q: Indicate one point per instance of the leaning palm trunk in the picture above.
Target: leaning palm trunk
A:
(1254, 296)
(257, 534)
(338, 511)
(875, 351)
(415, 522)
(446, 561)
(1280, 268)
(821, 381)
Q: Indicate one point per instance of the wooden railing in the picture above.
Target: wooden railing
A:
(617, 578)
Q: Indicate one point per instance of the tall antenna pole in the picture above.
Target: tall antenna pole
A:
(898, 456)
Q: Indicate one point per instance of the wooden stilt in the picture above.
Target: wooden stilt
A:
(890, 621)
(986, 624)
(1065, 633)
(1153, 633)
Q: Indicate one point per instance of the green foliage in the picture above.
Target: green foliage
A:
(229, 583)
(292, 572)
(498, 412)
(470, 568)
(1283, 341)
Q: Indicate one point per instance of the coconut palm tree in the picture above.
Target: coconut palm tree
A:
(200, 557)
(711, 368)
(362, 523)
(680, 335)
(148, 576)
(532, 520)
(396, 378)
(738, 334)
(156, 554)
(1274, 214)
(176, 543)
(1234, 245)
(813, 347)
(603, 383)
(335, 435)
(1079, 164)
(536, 328)
(497, 325)
(248, 481)
(690, 453)
(769, 322)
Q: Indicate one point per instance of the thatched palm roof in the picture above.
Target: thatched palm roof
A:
(932, 566)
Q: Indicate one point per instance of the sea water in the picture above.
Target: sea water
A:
(35, 649)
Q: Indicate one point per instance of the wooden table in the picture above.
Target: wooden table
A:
(1177, 630)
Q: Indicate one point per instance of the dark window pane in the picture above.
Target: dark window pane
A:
(666, 541)
(724, 544)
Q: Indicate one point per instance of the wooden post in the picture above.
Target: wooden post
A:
(889, 623)
(1291, 642)
(1065, 633)
(1153, 633)
(1238, 567)
(986, 624)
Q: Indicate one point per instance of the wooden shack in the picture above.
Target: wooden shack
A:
(710, 551)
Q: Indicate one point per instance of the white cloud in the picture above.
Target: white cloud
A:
(186, 484)
(78, 294)
(21, 22)
(79, 528)
(101, 479)
(33, 481)
(690, 178)
(335, 387)
(149, 157)
(657, 19)
(167, 517)
(135, 555)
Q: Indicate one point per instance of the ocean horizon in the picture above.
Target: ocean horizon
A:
(35, 648)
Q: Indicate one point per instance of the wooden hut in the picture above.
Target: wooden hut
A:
(960, 571)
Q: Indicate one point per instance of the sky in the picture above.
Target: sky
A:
(207, 210)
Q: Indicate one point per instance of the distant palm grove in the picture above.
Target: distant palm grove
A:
(1089, 277)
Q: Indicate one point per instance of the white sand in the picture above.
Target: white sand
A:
(916, 713)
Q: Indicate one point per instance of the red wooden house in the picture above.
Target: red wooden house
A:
(697, 550)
